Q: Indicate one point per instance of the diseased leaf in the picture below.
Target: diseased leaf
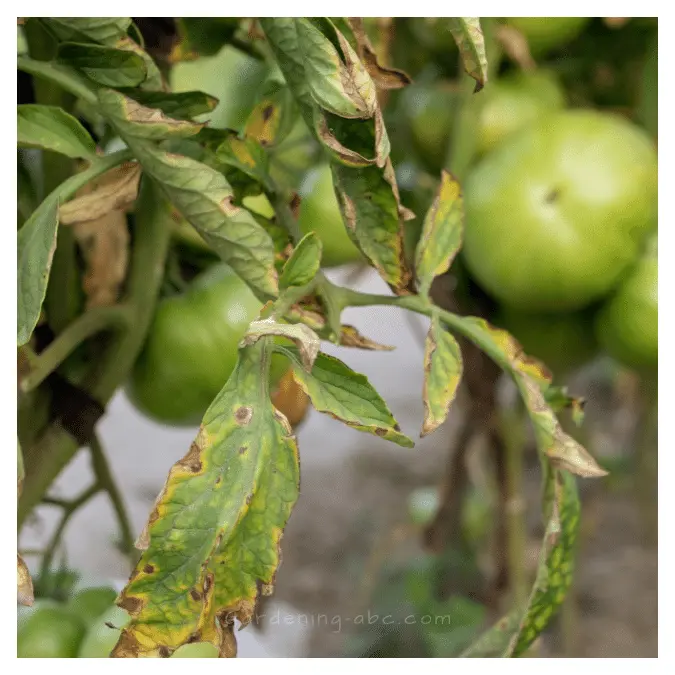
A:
(469, 38)
(442, 375)
(272, 119)
(442, 233)
(530, 377)
(181, 106)
(350, 337)
(213, 536)
(559, 399)
(52, 128)
(304, 262)
(306, 339)
(334, 388)
(384, 78)
(100, 29)
(514, 634)
(245, 154)
(133, 119)
(106, 66)
(114, 190)
(153, 80)
(24, 584)
(202, 36)
(36, 242)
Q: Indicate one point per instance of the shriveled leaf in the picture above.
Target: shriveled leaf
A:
(469, 39)
(52, 128)
(442, 233)
(115, 190)
(384, 78)
(106, 66)
(334, 388)
(100, 29)
(530, 377)
(350, 337)
(24, 584)
(272, 119)
(442, 375)
(134, 119)
(213, 536)
(304, 262)
(181, 106)
(305, 338)
(36, 242)
(514, 634)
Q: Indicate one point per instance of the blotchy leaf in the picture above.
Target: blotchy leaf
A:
(306, 339)
(115, 190)
(24, 584)
(334, 388)
(133, 119)
(442, 375)
(512, 635)
(36, 242)
(106, 66)
(351, 337)
(104, 30)
(469, 38)
(304, 262)
(52, 128)
(181, 106)
(153, 81)
(272, 119)
(530, 377)
(214, 532)
(442, 233)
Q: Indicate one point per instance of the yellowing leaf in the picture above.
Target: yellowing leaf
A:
(351, 337)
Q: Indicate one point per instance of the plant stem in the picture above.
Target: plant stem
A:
(107, 483)
(62, 76)
(86, 325)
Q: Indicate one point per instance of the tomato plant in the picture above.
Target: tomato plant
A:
(183, 185)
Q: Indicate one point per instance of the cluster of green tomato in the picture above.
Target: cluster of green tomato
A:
(86, 626)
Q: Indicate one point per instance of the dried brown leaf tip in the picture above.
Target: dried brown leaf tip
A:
(350, 337)
(24, 584)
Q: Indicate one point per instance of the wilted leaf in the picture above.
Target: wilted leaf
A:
(133, 119)
(442, 233)
(181, 106)
(304, 262)
(36, 242)
(52, 128)
(24, 584)
(334, 388)
(384, 78)
(469, 38)
(306, 339)
(115, 190)
(99, 29)
(442, 375)
(350, 337)
(106, 66)
(212, 539)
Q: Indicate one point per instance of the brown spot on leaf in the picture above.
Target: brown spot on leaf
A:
(193, 638)
(192, 460)
(148, 569)
(208, 582)
(242, 450)
(380, 432)
(267, 112)
(243, 415)
(249, 499)
(195, 594)
(131, 604)
(164, 652)
(218, 480)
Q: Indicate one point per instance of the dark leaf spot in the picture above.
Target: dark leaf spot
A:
(130, 604)
(218, 480)
(195, 594)
(380, 432)
(267, 112)
(243, 415)
(164, 652)
(242, 450)
(249, 499)
(193, 638)
(148, 569)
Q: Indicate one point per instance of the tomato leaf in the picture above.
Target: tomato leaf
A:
(213, 535)
(36, 243)
(304, 262)
(272, 119)
(442, 375)
(351, 337)
(559, 399)
(334, 388)
(202, 36)
(98, 29)
(52, 128)
(306, 339)
(468, 36)
(181, 106)
(442, 233)
(103, 65)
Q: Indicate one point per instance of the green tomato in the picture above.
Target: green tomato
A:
(423, 504)
(90, 603)
(430, 111)
(101, 638)
(50, 631)
(557, 213)
(564, 342)
(515, 102)
(192, 347)
(320, 213)
(233, 77)
(628, 323)
(547, 33)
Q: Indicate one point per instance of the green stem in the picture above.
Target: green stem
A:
(62, 76)
(86, 325)
(107, 483)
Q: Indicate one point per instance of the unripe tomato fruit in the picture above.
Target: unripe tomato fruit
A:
(101, 638)
(514, 102)
(50, 631)
(628, 323)
(558, 212)
(545, 33)
(90, 603)
(192, 347)
(320, 212)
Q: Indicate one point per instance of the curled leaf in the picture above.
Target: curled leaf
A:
(303, 263)
(305, 338)
(469, 39)
(351, 337)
